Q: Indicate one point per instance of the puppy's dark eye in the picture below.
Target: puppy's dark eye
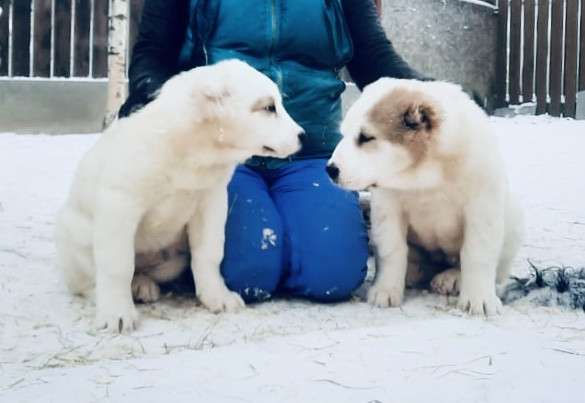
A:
(364, 138)
(270, 109)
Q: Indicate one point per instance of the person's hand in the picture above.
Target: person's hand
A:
(143, 94)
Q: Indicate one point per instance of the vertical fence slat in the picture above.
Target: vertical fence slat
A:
(582, 49)
(5, 5)
(528, 65)
(100, 39)
(556, 57)
(135, 16)
(502, 54)
(21, 38)
(542, 57)
(515, 50)
(82, 26)
(570, 80)
(42, 39)
(62, 46)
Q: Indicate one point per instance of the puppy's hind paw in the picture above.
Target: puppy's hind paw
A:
(447, 282)
(145, 289)
(385, 297)
(222, 301)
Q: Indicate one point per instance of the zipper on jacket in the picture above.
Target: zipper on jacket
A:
(274, 26)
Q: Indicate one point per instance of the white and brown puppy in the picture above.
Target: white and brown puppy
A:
(428, 153)
(162, 171)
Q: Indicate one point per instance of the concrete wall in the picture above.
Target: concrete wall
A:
(52, 106)
(66, 107)
(447, 39)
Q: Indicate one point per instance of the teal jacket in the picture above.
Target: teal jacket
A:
(302, 45)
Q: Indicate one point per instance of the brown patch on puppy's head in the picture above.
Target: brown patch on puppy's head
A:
(406, 117)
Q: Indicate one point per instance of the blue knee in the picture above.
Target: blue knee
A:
(253, 252)
(255, 278)
(252, 264)
(338, 280)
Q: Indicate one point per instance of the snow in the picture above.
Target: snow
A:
(291, 351)
(268, 238)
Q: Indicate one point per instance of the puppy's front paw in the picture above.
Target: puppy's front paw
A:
(447, 282)
(117, 319)
(487, 303)
(144, 289)
(221, 300)
(385, 297)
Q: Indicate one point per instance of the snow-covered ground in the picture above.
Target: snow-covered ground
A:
(291, 351)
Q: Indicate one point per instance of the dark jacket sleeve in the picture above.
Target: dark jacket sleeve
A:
(154, 58)
(374, 56)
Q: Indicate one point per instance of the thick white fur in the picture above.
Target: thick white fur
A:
(161, 171)
(455, 199)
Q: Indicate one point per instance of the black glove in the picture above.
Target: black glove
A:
(143, 93)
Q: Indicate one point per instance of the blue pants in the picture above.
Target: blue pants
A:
(291, 231)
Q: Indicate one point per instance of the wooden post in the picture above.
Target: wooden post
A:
(100, 39)
(81, 38)
(117, 60)
(515, 50)
(42, 38)
(4, 15)
(556, 57)
(502, 55)
(62, 33)
(571, 60)
(528, 65)
(542, 57)
(21, 38)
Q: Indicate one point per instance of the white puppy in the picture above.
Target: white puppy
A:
(438, 183)
(161, 171)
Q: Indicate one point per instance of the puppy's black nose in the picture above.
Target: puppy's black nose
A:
(333, 172)
(302, 136)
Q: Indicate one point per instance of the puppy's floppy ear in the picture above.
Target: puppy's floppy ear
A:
(211, 98)
(420, 116)
(215, 93)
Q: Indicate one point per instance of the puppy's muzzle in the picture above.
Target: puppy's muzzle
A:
(333, 172)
